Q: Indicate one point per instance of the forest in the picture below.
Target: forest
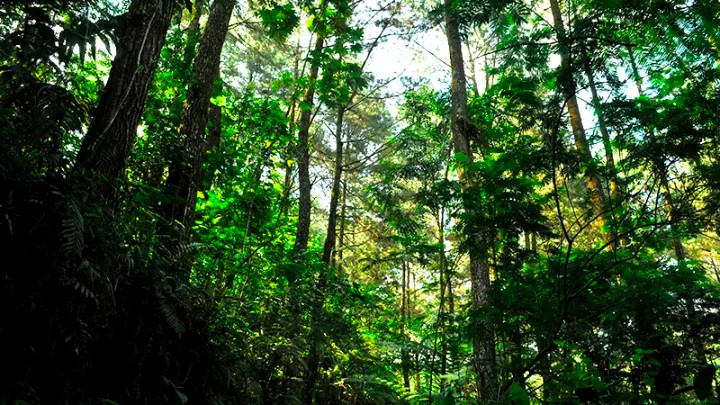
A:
(359, 202)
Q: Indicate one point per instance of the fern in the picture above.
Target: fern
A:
(84, 290)
(169, 314)
(72, 231)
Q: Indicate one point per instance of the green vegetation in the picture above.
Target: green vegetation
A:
(223, 202)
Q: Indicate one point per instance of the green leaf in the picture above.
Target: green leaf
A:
(517, 395)
(279, 21)
(219, 101)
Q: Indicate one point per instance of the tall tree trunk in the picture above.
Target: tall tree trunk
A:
(291, 114)
(446, 306)
(103, 155)
(331, 236)
(440, 323)
(483, 338)
(473, 71)
(567, 83)
(404, 353)
(184, 180)
(302, 235)
(193, 36)
(313, 363)
(214, 138)
(607, 145)
(330, 239)
(635, 71)
(602, 125)
(341, 237)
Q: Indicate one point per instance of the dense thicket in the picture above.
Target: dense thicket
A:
(221, 202)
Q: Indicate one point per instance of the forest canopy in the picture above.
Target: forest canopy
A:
(359, 202)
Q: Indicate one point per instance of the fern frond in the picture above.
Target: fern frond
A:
(72, 231)
(169, 314)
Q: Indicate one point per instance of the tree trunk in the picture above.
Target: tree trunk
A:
(184, 179)
(329, 250)
(445, 297)
(214, 138)
(473, 72)
(404, 353)
(193, 36)
(636, 73)
(302, 236)
(607, 145)
(483, 338)
(291, 113)
(329, 247)
(103, 155)
(341, 237)
(567, 83)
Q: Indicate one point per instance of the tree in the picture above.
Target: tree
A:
(569, 90)
(462, 260)
(184, 178)
(346, 80)
(107, 144)
(483, 337)
(306, 106)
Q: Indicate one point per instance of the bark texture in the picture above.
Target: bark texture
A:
(184, 179)
(341, 237)
(483, 337)
(106, 147)
(330, 239)
(302, 235)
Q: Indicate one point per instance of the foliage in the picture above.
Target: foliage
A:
(616, 306)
